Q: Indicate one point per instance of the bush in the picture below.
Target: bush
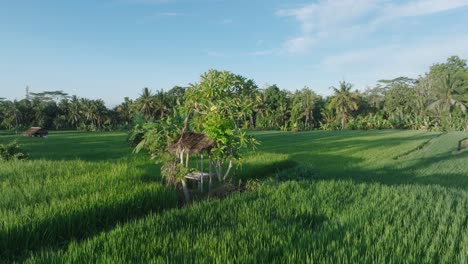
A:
(12, 151)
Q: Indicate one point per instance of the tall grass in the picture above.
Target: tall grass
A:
(325, 197)
(48, 203)
(324, 221)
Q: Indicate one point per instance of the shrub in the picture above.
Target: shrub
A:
(12, 151)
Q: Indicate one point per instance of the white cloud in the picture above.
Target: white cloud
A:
(365, 66)
(217, 54)
(299, 45)
(347, 18)
(170, 14)
(329, 13)
(264, 52)
(158, 16)
(423, 7)
(227, 21)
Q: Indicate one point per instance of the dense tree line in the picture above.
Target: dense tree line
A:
(436, 100)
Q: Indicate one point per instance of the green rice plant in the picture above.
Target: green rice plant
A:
(319, 196)
(295, 221)
(48, 203)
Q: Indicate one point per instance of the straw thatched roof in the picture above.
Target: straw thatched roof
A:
(191, 143)
(35, 132)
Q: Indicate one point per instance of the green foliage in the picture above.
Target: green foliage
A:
(12, 151)
(399, 101)
(173, 172)
(345, 181)
(343, 102)
(74, 186)
(157, 136)
(370, 121)
(216, 112)
(347, 200)
(432, 101)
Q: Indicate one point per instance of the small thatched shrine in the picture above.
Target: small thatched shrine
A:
(192, 143)
(36, 132)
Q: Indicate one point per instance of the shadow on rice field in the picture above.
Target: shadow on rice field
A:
(339, 195)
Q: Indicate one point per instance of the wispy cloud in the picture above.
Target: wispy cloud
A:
(394, 60)
(422, 7)
(170, 14)
(227, 21)
(158, 16)
(329, 18)
(299, 45)
(326, 13)
(264, 52)
(217, 54)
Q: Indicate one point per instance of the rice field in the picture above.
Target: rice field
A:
(328, 197)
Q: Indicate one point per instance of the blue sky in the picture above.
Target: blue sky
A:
(110, 49)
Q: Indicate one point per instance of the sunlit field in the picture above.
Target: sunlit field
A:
(362, 196)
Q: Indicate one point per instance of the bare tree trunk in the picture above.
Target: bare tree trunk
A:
(187, 160)
(228, 169)
(219, 170)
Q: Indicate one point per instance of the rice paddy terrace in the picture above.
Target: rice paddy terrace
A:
(347, 196)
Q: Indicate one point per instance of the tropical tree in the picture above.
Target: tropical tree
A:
(156, 138)
(302, 107)
(74, 111)
(145, 104)
(261, 109)
(161, 106)
(12, 115)
(344, 101)
(449, 92)
(214, 112)
(125, 111)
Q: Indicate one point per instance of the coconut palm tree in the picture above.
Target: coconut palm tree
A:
(308, 99)
(344, 101)
(161, 103)
(146, 104)
(125, 111)
(449, 93)
(261, 109)
(88, 110)
(74, 111)
(12, 115)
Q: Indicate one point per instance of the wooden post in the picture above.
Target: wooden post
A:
(201, 165)
(187, 159)
(209, 172)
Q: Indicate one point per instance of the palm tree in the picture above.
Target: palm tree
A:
(261, 108)
(12, 115)
(161, 103)
(74, 111)
(449, 93)
(344, 101)
(146, 104)
(100, 112)
(125, 111)
(308, 98)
